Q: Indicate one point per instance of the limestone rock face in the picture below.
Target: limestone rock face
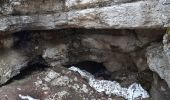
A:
(56, 55)
(11, 62)
(158, 62)
(56, 14)
(121, 35)
(158, 58)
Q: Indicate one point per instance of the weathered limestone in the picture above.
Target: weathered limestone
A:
(24, 15)
(158, 59)
(140, 22)
(166, 2)
(50, 84)
(57, 55)
(11, 63)
(28, 7)
(115, 49)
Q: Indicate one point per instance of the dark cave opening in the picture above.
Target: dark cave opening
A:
(95, 68)
(26, 40)
(124, 77)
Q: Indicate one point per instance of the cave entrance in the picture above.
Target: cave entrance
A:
(95, 68)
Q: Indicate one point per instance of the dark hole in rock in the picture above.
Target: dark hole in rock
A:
(23, 36)
(26, 40)
(127, 77)
(97, 69)
(145, 78)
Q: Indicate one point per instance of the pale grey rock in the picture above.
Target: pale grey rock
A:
(158, 58)
(51, 84)
(116, 50)
(166, 2)
(113, 87)
(44, 22)
(28, 7)
(158, 61)
(166, 45)
(56, 14)
(82, 3)
(130, 15)
(11, 63)
(57, 55)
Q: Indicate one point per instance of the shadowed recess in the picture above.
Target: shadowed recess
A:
(97, 69)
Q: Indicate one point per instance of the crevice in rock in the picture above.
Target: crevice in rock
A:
(95, 68)
(98, 4)
(124, 77)
(145, 78)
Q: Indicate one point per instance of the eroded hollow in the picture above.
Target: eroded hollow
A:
(122, 52)
(95, 68)
(117, 49)
(124, 77)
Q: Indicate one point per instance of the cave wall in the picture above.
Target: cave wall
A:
(115, 49)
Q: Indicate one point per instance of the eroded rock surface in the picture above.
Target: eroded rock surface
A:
(158, 58)
(55, 14)
(51, 84)
(125, 36)
(115, 49)
(11, 62)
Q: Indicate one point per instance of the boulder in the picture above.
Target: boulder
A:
(11, 63)
(158, 61)
(50, 84)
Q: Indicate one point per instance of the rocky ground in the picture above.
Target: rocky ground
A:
(49, 84)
